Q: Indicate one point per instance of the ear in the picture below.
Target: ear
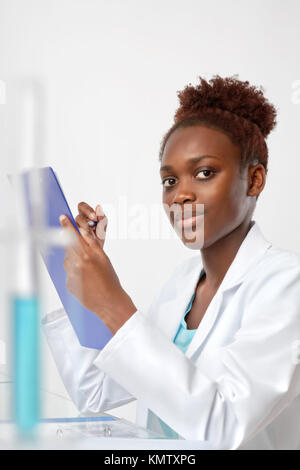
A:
(256, 180)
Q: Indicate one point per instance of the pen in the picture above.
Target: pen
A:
(92, 223)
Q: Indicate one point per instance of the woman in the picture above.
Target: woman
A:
(214, 358)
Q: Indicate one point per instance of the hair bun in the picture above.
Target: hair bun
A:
(228, 94)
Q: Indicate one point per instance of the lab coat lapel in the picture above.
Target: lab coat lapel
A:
(251, 250)
(171, 311)
(168, 314)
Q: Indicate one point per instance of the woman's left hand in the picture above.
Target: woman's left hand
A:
(92, 279)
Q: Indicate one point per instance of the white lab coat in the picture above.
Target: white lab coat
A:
(238, 384)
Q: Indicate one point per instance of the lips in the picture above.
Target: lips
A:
(187, 215)
(189, 222)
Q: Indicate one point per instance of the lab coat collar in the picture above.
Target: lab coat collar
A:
(169, 313)
(249, 253)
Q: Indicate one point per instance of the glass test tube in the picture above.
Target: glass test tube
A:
(24, 296)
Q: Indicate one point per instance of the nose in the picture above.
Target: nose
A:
(184, 195)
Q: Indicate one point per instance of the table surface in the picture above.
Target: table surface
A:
(62, 428)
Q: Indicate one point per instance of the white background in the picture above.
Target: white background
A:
(109, 73)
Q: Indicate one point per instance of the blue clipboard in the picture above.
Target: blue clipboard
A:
(90, 329)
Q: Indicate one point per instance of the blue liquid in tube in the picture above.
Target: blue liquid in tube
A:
(26, 362)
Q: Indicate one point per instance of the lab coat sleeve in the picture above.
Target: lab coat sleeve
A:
(91, 390)
(231, 392)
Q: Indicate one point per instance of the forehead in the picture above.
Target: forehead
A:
(194, 141)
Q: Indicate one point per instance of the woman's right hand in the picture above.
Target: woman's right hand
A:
(87, 213)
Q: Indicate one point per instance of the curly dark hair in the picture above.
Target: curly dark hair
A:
(232, 106)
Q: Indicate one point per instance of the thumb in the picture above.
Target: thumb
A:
(101, 225)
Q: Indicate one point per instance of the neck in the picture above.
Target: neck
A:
(217, 258)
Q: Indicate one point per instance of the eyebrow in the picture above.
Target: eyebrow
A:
(191, 160)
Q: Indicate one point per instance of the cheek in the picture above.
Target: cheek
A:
(227, 208)
(166, 201)
(229, 193)
(237, 194)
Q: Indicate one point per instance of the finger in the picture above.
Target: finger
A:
(82, 221)
(71, 261)
(67, 264)
(78, 242)
(87, 211)
(101, 217)
(72, 255)
(101, 228)
(99, 211)
(90, 238)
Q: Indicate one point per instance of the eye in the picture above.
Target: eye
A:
(167, 179)
(204, 171)
(173, 179)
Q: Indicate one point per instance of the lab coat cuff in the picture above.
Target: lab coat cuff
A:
(55, 321)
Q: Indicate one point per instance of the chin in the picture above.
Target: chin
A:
(194, 241)
(193, 245)
(192, 237)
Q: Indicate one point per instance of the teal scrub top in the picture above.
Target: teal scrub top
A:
(182, 339)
